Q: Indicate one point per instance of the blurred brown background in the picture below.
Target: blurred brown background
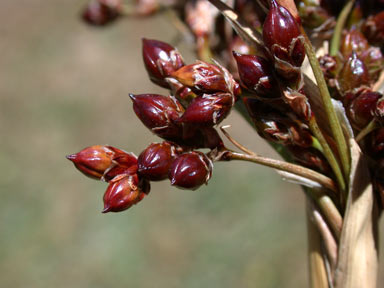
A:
(64, 86)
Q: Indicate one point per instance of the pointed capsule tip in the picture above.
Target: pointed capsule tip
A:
(106, 209)
(71, 157)
(236, 54)
(132, 96)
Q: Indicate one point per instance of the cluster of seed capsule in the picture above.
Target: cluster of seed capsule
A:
(202, 95)
(274, 92)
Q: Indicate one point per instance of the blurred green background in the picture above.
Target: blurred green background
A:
(64, 86)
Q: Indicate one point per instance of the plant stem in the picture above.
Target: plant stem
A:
(317, 271)
(328, 106)
(329, 155)
(284, 166)
(367, 129)
(335, 42)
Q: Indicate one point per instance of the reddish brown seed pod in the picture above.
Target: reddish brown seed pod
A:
(280, 34)
(155, 161)
(160, 60)
(256, 74)
(103, 162)
(92, 161)
(362, 108)
(208, 110)
(190, 170)
(122, 193)
(207, 78)
(159, 113)
(353, 41)
(353, 74)
(102, 12)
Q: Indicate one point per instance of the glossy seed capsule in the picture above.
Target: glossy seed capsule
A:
(155, 161)
(280, 34)
(160, 60)
(123, 192)
(190, 170)
(158, 113)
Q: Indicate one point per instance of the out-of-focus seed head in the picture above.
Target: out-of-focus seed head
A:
(311, 14)
(280, 34)
(373, 28)
(353, 41)
(200, 17)
(160, 60)
(362, 108)
(329, 65)
(374, 61)
(208, 110)
(159, 113)
(256, 74)
(353, 74)
(208, 78)
(154, 162)
(102, 12)
(190, 170)
(124, 192)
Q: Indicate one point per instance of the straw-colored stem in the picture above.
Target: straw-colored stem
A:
(284, 166)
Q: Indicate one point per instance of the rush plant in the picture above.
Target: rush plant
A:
(324, 116)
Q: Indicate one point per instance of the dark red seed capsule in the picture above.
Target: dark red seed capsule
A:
(159, 114)
(190, 170)
(256, 74)
(353, 74)
(92, 161)
(208, 110)
(280, 34)
(205, 77)
(154, 162)
(160, 60)
(122, 193)
(104, 162)
(102, 12)
(353, 41)
(362, 108)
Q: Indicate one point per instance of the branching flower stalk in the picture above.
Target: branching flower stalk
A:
(330, 134)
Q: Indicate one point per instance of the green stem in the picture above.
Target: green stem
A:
(335, 42)
(328, 106)
(373, 125)
(313, 126)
